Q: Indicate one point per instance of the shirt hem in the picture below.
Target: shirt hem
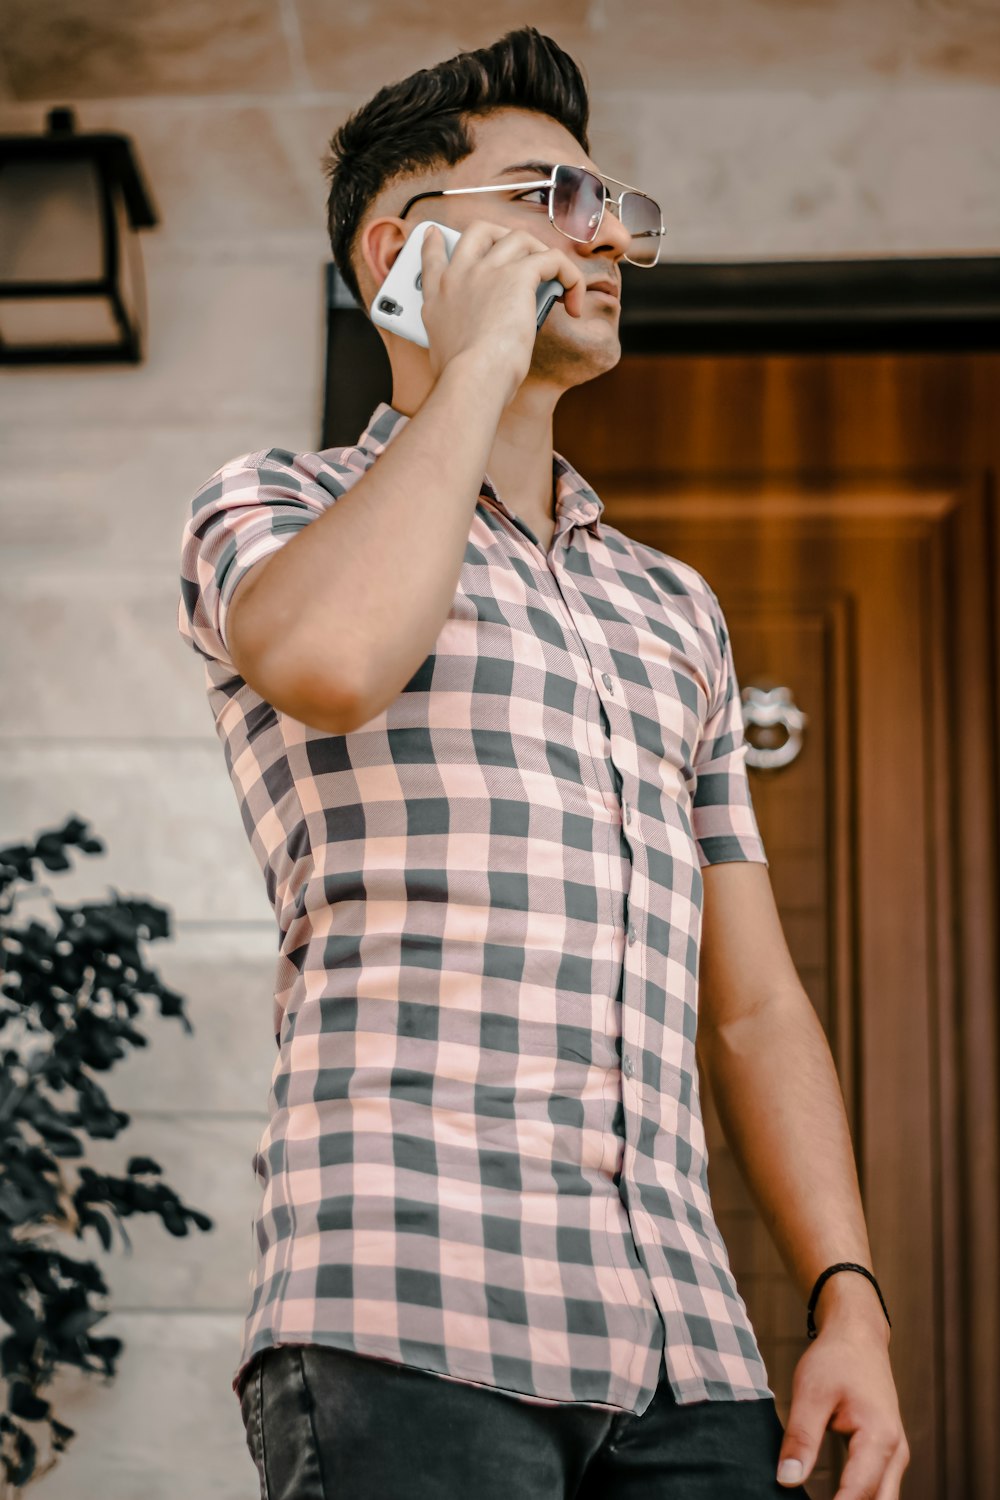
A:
(383, 1349)
(686, 1392)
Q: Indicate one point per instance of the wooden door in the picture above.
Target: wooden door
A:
(843, 508)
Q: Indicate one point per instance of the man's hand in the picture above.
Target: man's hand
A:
(843, 1381)
(480, 305)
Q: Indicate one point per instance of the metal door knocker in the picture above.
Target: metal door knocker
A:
(771, 709)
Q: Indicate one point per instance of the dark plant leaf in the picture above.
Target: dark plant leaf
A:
(22, 1401)
(142, 1164)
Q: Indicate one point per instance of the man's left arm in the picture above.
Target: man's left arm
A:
(764, 1052)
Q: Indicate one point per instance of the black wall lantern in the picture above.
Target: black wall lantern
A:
(71, 281)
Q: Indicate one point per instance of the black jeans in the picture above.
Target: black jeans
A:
(328, 1424)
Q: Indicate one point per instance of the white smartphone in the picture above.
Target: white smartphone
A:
(398, 303)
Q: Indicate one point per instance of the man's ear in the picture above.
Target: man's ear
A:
(378, 244)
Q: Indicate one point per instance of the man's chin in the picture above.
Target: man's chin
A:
(576, 343)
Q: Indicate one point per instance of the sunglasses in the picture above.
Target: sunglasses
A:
(577, 200)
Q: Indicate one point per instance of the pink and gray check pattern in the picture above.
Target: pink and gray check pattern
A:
(485, 1154)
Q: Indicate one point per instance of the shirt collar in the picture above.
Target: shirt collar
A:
(576, 504)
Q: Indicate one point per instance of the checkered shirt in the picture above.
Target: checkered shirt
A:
(484, 1154)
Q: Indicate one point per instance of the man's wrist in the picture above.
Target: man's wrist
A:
(475, 376)
(848, 1300)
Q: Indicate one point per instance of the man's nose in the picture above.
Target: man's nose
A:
(612, 235)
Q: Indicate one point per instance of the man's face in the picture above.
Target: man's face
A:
(568, 350)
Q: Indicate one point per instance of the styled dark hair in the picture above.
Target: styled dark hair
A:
(419, 123)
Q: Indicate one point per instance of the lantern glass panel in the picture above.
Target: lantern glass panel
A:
(31, 322)
(50, 222)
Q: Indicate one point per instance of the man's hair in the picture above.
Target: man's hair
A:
(419, 124)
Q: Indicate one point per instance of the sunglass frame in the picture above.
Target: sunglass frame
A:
(550, 183)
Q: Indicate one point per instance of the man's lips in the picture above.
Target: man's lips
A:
(604, 286)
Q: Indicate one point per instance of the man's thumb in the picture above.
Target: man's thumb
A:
(799, 1445)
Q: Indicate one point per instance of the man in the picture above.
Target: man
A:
(489, 754)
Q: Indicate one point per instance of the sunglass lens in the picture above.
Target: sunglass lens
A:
(641, 217)
(577, 202)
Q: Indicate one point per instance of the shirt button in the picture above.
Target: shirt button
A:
(628, 1066)
(607, 682)
(632, 934)
(628, 813)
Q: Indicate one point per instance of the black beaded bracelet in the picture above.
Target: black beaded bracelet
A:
(843, 1265)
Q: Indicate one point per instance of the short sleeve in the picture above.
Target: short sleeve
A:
(244, 512)
(723, 818)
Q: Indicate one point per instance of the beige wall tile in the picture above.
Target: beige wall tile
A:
(784, 173)
(220, 173)
(96, 50)
(113, 496)
(167, 814)
(656, 46)
(226, 975)
(99, 657)
(207, 1160)
(89, 49)
(167, 1425)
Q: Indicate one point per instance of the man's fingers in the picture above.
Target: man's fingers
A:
(872, 1471)
(433, 259)
(893, 1476)
(577, 287)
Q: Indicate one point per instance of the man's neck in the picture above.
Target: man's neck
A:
(520, 462)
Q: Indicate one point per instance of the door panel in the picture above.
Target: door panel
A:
(856, 565)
